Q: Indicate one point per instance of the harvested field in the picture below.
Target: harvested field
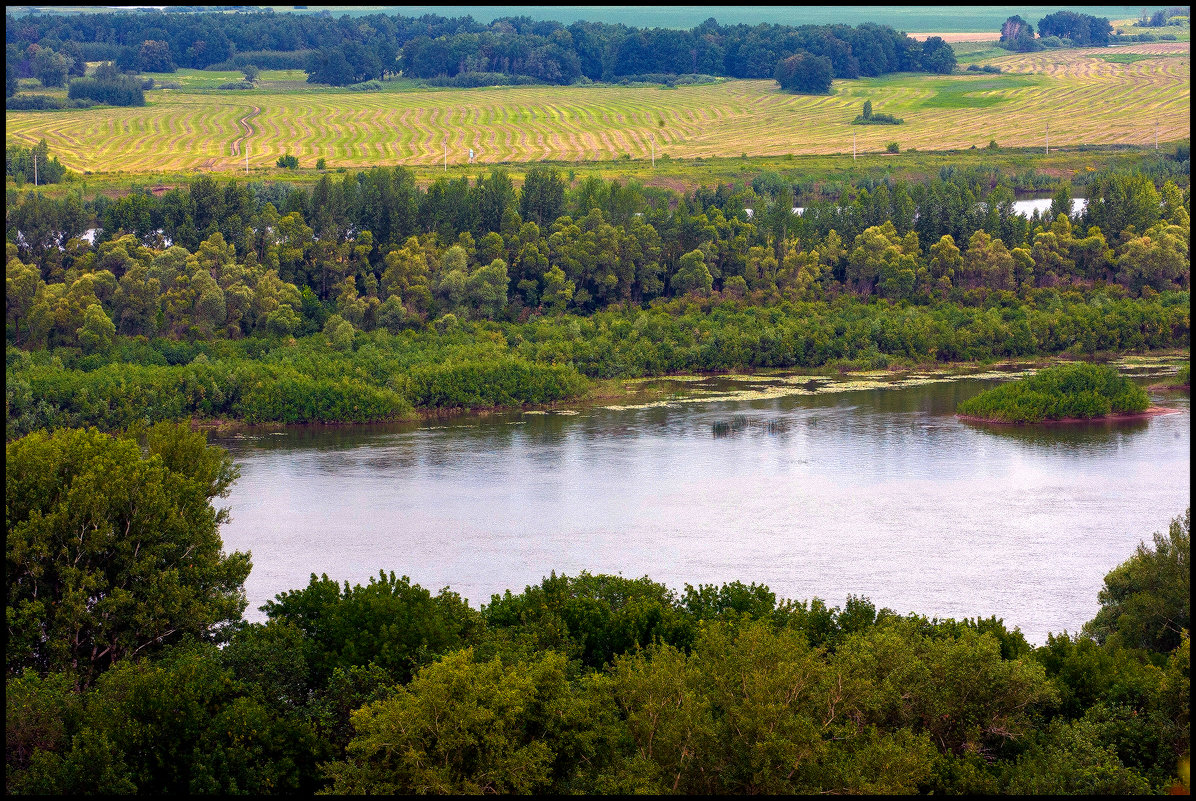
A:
(1085, 98)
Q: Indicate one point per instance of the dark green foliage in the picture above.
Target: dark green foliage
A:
(481, 384)
(938, 56)
(19, 164)
(288, 162)
(589, 618)
(1018, 35)
(1084, 30)
(42, 103)
(261, 380)
(148, 568)
(805, 73)
(604, 684)
(177, 725)
(1146, 601)
(871, 118)
(108, 86)
(388, 622)
(1065, 392)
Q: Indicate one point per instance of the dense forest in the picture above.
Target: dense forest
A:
(129, 668)
(369, 297)
(354, 49)
(382, 252)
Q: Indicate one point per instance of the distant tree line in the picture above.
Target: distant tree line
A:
(108, 84)
(1061, 29)
(354, 49)
(1176, 15)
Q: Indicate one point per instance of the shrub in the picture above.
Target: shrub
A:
(1068, 391)
(117, 90)
(42, 103)
(893, 147)
(288, 162)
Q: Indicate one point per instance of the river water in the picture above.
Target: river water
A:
(821, 489)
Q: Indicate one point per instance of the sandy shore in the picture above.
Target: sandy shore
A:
(1153, 411)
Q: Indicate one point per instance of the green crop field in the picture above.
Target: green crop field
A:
(1082, 95)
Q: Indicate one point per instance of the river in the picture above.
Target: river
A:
(824, 489)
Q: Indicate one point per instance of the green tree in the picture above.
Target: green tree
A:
(50, 68)
(95, 335)
(486, 288)
(692, 275)
(339, 332)
(805, 73)
(1159, 259)
(21, 285)
(113, 551)
(388, 622)
(461, 727)
(1147, 600)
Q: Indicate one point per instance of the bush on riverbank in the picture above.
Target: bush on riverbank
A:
(1069, 391)
(382, 376)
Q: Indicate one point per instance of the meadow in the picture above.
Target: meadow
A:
(1085, 96)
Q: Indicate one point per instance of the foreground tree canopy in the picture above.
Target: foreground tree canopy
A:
(596, 684)
(113, 548)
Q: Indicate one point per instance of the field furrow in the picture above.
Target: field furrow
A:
(1086, 96)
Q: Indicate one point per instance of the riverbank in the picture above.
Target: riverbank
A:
(753, 385)
(1153, 411)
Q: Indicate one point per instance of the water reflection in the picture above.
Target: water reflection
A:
(881, 492)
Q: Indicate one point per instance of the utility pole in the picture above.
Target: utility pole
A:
(654, 150)
(247, 158)
(853, 148)
(446, 153)
(35, 167)
(1156, 133)
(1048, 139)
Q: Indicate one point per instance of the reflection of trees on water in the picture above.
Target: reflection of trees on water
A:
(877, 412)
(1098, 433)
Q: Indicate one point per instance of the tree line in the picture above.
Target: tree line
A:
(339, 374)
(354, 49)
(1060, 29)
(378, 252)
(129, 668)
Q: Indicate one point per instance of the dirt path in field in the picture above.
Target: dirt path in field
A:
(246, 129)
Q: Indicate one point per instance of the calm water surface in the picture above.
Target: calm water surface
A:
(877, 492)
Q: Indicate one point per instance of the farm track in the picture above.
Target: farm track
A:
(246, 129)
(1085, 99)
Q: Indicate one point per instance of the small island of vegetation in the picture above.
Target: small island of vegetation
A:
(1066, 392)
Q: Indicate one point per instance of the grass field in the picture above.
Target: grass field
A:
(1085, 97)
